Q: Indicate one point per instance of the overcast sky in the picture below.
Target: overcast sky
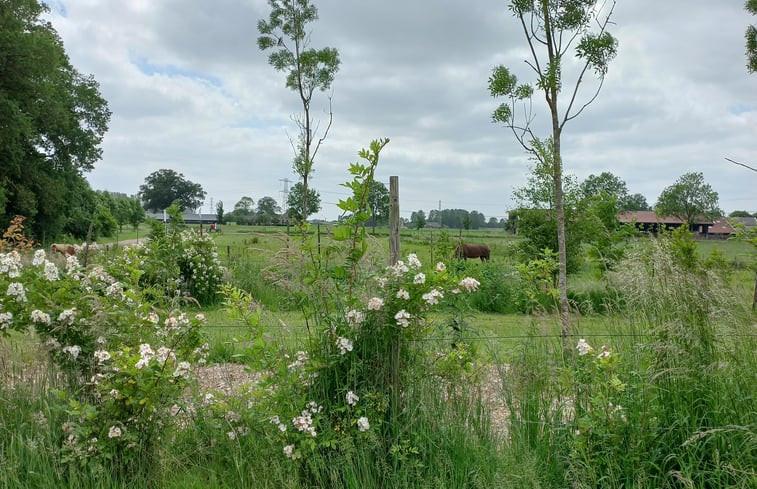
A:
(190, 91)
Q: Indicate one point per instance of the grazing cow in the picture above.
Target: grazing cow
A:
(472, 251)
(63, 249)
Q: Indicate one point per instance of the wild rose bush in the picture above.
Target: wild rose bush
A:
(173, 265)
(126, 367)
(349, 386)
(136, 394)
(602, 404)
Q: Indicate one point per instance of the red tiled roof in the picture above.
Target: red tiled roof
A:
(721, 226)
(649, 217)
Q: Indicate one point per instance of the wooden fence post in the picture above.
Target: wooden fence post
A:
(394, 220)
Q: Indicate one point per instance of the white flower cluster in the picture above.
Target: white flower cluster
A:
(72, 350)
(363, 424)
(182, 370)
(355, 318)
(6, 318)
(432, 297)
(281, 426)
(398, 269)
(289, 451)
(114, 432)
(403, 294)
(102, 356)
(419, 278)
(146, 354)
(583, 347)
(469, 284)
(344, 345)
(301, 361)
(39, 258)
(51, 271)
(413, 261)
(403, 318)
(604, 353)
(352, 398)
(375, 303)
(10, 264)
(67, 316)
(40, 317)
(72, 264)
(304, 422)
(16, 289)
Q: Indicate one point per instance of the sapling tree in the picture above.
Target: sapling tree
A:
(554, 30)
(307, 70)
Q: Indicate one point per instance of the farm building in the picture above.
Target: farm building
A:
(650, 222)
(188, 217)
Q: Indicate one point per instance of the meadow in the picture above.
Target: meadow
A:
(655, 389)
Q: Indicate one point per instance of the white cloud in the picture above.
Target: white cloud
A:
(189, 90)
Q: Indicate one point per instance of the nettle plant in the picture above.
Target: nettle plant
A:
(126, 368)
(351, 380)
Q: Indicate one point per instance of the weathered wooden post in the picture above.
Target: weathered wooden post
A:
(394, 220)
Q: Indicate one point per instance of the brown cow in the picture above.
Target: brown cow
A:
(63, 249)
(472, 251)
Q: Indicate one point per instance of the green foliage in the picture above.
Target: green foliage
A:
(378, 203)
(418, 219)
(163, 187)
(296, 198)
(54, 120)
(307, 70)
(689, 199)
(751, 38)
(538, 277)
(174, 264)
(98, 330)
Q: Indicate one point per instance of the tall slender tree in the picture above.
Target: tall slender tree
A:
(307, 70)
(552, 29)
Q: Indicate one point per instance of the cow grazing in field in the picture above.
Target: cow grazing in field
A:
(472, 251)
(63, 249)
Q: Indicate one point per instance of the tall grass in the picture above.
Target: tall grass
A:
(686, 385)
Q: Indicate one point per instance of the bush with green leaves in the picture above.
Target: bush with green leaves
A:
(173, 264)
(126, 369)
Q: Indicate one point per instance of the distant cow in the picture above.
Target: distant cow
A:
(472, 251)
(63, 249)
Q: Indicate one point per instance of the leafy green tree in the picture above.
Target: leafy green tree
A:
(636, 202)
(751, 39)
(739, 214)
(286, 34)
(604, 182)
(52, 121)
(268, 211)
(378, 203)
(295, 200)
(136, 212)
(552, 28)
(244, 211)
(688, 198)
(163, 187)
(418, 219)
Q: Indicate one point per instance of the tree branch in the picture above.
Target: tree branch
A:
(741, 164)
